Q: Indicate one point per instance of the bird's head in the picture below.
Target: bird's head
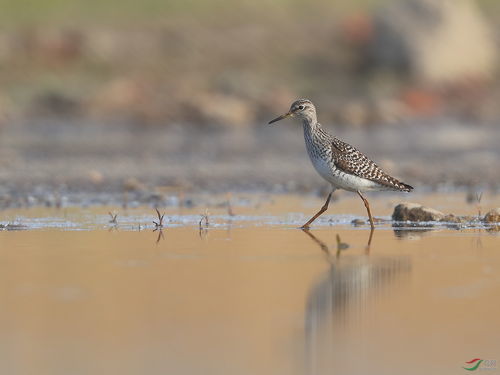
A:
(302, 109)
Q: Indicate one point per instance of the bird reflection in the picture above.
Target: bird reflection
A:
(160, 235)
(340, 245)
(411, 231)
(342, 296)
(324, 247)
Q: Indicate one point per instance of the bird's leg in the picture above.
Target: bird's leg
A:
(323, 209)
(320, 243)
(367, 248)
(370, 237)
(367, 205)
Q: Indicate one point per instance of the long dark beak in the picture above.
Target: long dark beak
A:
(288, 114)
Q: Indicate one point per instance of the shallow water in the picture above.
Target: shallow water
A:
(249, 295)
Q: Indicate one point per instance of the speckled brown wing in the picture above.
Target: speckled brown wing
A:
(348, 159)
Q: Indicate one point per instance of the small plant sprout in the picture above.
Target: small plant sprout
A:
(341, 245)
(160, 236)
(159, 224)
(204, 218)
(13, 226)
(113, 218)
(478, 196)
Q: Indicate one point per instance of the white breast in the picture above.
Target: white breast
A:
(323, 168)
(342, 180)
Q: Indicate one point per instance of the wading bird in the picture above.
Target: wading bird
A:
(339, 163)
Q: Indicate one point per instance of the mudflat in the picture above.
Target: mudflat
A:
(246, 293)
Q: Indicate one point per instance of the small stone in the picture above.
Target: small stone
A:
(493, 216)
(358, 222)
(415, 212)
(450, 218)
(468, 218)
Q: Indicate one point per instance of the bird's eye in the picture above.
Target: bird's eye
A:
(301, 107)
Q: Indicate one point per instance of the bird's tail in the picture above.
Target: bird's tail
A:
(397, 185)
(401, 186)
(405, 187)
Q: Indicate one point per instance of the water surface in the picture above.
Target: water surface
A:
(244, 296)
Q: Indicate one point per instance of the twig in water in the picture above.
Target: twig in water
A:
(341, 245)
(158, 224)
(13, 226)
(113, 218)
(160, 236)
(479, 196)
(204, 217)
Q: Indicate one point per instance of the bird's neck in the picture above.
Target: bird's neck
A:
(310, 126)
(315, 135)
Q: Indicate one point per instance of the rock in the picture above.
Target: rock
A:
(357, 222)
(415, 212)
(468, 219)
(450, 218)
(493, 216)
(436, 41)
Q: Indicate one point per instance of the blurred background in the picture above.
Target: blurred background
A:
(159, 95)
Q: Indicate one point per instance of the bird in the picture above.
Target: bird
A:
(339, 163)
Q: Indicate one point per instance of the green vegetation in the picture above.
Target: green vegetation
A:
(131, 12)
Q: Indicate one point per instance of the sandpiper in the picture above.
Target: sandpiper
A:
(342, 165)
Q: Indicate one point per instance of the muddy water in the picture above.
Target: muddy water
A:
(249, 295)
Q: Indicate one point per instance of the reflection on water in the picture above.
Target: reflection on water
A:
(341, 296)
(245, 300)
(339, 246)
(409, 232)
